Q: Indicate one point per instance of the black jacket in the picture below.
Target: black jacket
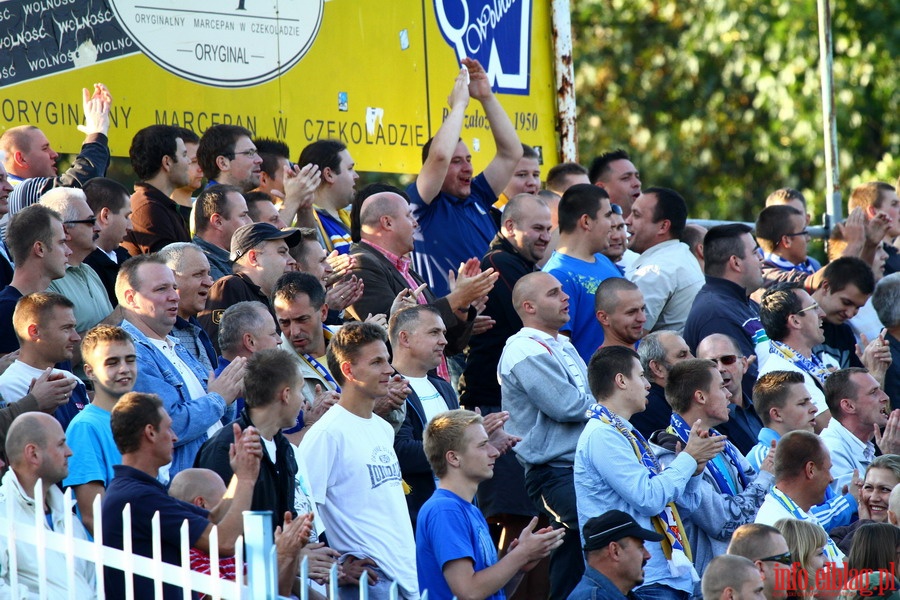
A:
(275, 485)
(479, 385)
(410, 453)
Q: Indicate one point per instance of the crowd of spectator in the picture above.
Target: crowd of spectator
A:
(474, 386)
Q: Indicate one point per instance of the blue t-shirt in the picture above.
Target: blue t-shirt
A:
(146, 495)
(451, 231)
(580, 281)
(450, 528)
(90, 437)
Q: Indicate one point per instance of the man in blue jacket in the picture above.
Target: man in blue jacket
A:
(148, 295)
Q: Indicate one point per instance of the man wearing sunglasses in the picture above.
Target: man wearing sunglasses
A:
(80, 284)
(767, 548)
(743, 424)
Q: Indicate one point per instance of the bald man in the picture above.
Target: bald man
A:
(730, 577)
(387, 227)
(743, 425)
(544, 386)
(37, 450)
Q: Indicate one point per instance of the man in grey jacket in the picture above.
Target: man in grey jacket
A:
(731, 491)
(544, 387)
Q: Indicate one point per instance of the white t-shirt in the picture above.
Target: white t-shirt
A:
(194, 386)
(432, 402)
(17, 378)
(355, 479)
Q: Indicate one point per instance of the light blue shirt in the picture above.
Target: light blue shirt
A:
(608, 475)
(837, 510)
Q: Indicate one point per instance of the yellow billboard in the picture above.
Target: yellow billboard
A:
(371, 73)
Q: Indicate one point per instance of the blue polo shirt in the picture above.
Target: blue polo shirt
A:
(146, 495)
(451, 231)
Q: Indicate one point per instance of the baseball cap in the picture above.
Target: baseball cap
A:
(250, 236)
(614, 525)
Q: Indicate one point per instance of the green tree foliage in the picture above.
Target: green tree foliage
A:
(721, 99)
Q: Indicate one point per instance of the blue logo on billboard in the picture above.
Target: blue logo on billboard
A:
(495, 32)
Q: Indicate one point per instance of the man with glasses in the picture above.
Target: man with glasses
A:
(618, 251)
(228, 156)
(160, 160)
(667, 273)
(767, 548)
(782, 233)
(733, 268)
(802, 474)
(743, 425)
(81, 284)
(793, 322)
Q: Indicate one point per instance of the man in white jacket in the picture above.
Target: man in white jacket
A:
(37, 449)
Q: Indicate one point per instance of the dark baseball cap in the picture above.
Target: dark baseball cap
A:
(614, 525)
(248, 237)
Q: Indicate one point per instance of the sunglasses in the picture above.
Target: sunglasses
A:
(616, 208)
(728, 359)
(89, 221)
(784, 559)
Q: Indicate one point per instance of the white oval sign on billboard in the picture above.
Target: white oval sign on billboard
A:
(230, 43)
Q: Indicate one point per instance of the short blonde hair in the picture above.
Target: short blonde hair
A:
(444, 433)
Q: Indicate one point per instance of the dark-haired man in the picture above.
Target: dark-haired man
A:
(453, 208)
(160, 160)
(111, 204)
(219, 211)
(228, 156)
(584, 225)
(615, 173)
(143, 433)
(666, 272)
(615, 468)
(273, 397)
(733, 268)
(334, 193)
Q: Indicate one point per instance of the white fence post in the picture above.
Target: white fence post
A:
(262, 572)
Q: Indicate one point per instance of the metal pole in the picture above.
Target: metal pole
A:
(833, 208)
(262, 569)
(565, 80)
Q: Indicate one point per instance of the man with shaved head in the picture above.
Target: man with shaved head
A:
(621, 311)
(37, 450)
(522, 241)
(544, 386)
(387, 227)
(732, 578)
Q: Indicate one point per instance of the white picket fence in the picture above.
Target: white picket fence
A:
(259, 584)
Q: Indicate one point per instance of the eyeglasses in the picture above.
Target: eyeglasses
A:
(248, 153)
(813, 306)
(784, 559)
(805, 233)
(89, 221)
(616, 208)
(728, 359)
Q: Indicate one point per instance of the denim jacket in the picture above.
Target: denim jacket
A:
(191, 417)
